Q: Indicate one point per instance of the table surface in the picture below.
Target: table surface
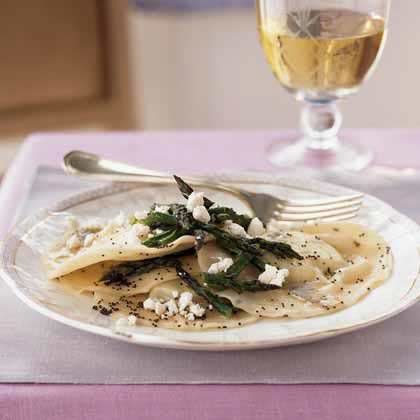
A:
(183, 152)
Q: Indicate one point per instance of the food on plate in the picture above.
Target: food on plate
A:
(196, 265)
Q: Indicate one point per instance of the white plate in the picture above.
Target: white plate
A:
(21, 268)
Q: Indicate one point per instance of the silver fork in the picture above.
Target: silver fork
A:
(265, 206)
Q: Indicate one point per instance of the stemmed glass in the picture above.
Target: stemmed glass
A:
(322, 51)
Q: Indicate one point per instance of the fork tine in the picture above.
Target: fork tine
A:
(313, 209)
(317, 209)
(323, 213)
(340, 218)
(322, 201)
(327, 219)
(301, 217)
(344, 216)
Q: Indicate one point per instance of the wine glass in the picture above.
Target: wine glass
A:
(322, 51)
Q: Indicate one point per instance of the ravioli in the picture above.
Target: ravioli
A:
(132, 305)
(315, 269)
(113, 244)
(342, 263)
(88, 279)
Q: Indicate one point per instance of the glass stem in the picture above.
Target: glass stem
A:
(320, 124)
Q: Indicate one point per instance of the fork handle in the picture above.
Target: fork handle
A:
(89, 165)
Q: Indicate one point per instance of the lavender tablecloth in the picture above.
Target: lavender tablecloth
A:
(239, 151)
(209, 402)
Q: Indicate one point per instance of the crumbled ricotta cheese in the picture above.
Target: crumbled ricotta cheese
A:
(126, 321)
(121, 219)
(162, 209)
(149, 304)
(256, 227)
(280, 277)
(221, 266)
(195, 199)
(73, 223)
(195, 205)
(139, 231)
(190, 316)
(92, 226)
(197, 310)
(74, 243)
(234, 229)
(273, 275)
(117, 222)
(184, 306)
(171, 307)
(121, 322)
(89, 238)
(81, 235)
(184, 300)
(201, 214)
(139, 215)
(268, 274)
(175, 293)
(160, 308)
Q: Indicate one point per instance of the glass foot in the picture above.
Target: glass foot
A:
(336, 155)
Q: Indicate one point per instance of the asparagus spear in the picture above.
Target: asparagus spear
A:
(279, 249)
(186, 190)
(227, 280)
(164, 238)
(120, 273)
(222, 305)
(235, 245)
(159, 220)
(221, 282)
(221, 214)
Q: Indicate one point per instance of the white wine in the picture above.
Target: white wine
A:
(322, 53)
